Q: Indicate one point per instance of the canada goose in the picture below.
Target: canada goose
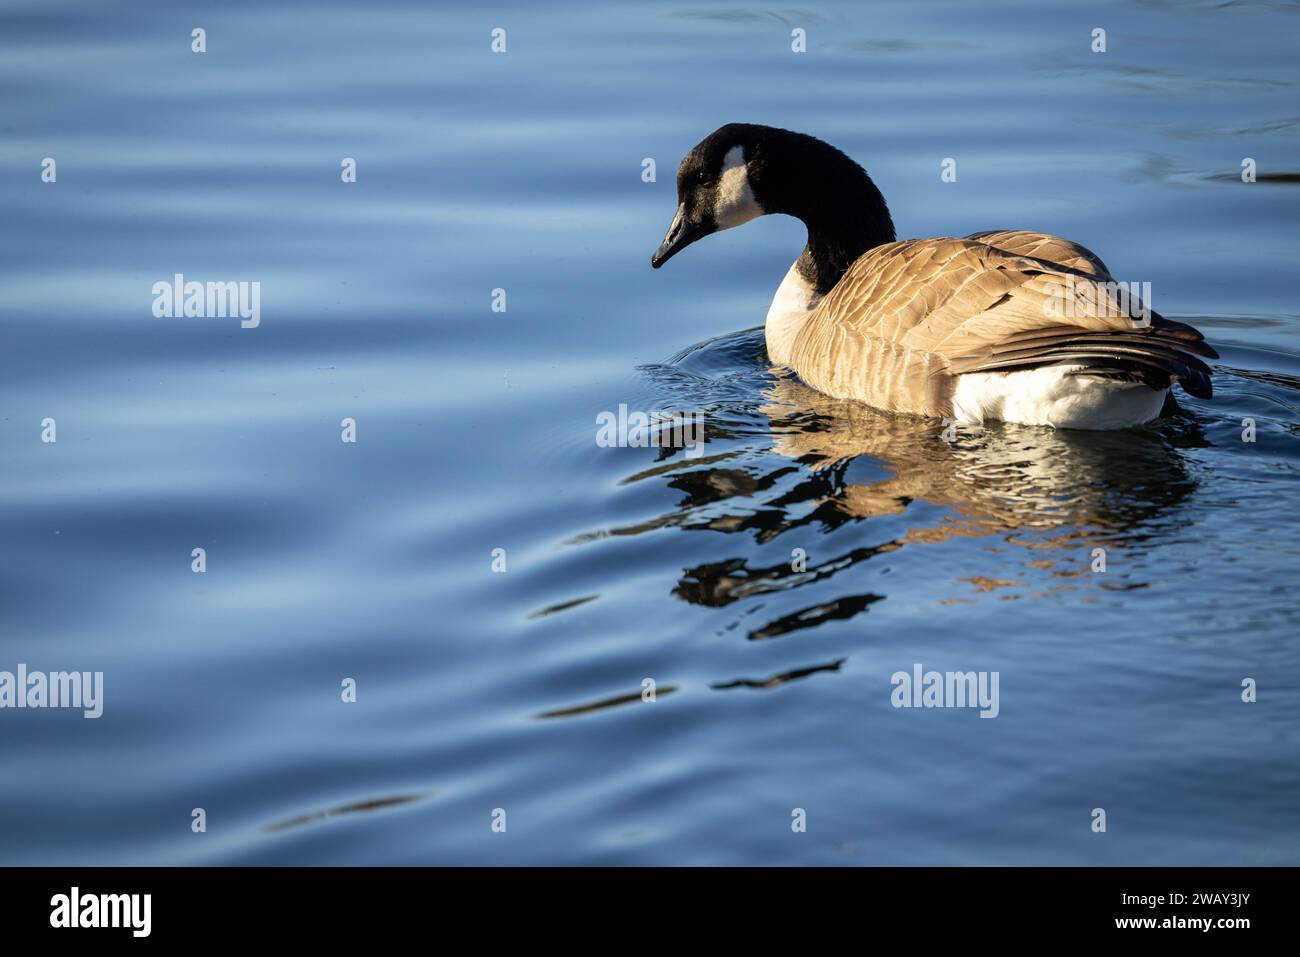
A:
(1007, 325)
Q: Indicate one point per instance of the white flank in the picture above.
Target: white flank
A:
(1051, 396)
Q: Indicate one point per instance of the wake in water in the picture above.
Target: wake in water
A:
(783, 462)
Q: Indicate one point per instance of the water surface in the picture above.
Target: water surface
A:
(476, 431)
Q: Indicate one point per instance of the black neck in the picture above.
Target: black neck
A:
(844, 212)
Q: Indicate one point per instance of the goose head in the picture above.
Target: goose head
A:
(714, 191)
(742, 170)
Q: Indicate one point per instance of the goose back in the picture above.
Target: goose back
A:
(907, 317)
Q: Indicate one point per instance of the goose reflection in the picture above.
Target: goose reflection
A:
(802, 461)
(1001, 478)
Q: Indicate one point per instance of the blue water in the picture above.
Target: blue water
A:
(519, 690)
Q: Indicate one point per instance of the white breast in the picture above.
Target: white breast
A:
(795, 299)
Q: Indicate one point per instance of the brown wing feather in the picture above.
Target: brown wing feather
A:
(1045, 247)
(907, 317)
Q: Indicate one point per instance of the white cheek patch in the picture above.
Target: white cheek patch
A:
(735, 202)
